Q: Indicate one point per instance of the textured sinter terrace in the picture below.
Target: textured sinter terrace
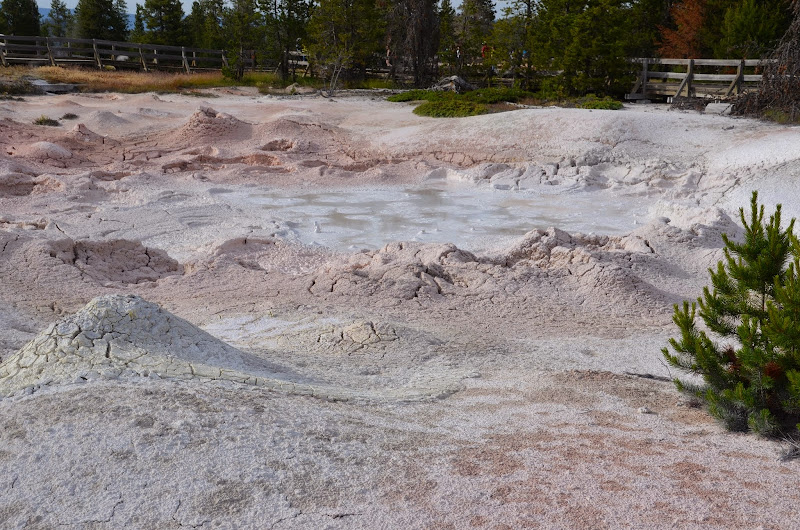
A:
(181, 347)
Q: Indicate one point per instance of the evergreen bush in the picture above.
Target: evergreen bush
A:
(450, 108)
(420, 95)
(751, 372)
(489, 96)
(590, 101)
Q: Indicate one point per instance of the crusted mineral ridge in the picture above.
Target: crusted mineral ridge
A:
(125, 336)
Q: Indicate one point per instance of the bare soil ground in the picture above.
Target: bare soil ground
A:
(419, 384)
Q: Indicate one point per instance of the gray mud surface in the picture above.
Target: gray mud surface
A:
(313, 313)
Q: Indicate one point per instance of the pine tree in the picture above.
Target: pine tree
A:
(101, 19)
(515, 36)
(752, 377)
(344, 35)
(286, 22)
(476, 19)
(684, 40)
(587, 42)
(448, 51)
(139, 33)
(243, 27)
(163, 20)
(204, 24)
(413, 37)
(594, 61)
(646, 17)
(19, 17)
(59, 21)
(778, 95)
(751, 28)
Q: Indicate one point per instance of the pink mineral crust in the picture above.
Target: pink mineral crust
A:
(301, 312)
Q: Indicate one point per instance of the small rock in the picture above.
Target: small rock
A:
(644, 410)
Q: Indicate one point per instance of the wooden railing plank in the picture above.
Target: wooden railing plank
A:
(692, 83)
(62, 50)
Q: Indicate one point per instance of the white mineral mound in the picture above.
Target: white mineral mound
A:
(208, 124)
(117, 336)
(124, 336)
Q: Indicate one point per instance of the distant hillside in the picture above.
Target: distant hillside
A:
(44, 13)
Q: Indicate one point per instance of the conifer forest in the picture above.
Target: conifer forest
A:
(589, 41)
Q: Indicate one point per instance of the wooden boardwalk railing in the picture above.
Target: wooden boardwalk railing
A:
(60, 51)
(655, 81)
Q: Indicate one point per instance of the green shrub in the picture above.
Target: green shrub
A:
(450, 108)
(45, 120)
(551, 89)
(421, 95)
(590, 101)
(69, 116)
(750, 358)
(489, 96)
(485, 96)
(778, 116)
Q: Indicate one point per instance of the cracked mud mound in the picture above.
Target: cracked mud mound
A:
(208, 125)
(266, 254)
(118, 260)
(47, 153)
(16, 185)
(587, 271)
(124, 335)
(528, 442)
(85, 135)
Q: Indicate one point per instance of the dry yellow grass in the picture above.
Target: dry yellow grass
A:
(93, 80)
(121, 81)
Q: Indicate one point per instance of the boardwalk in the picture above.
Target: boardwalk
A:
(704, 78)
(60, 51)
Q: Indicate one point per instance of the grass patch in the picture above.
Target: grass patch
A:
(778, 116)
(69, 116)
(590, 101)
(490, 96)
(91, 80)
(450, 108)
(15, 86)
(483, 100)
(422, 95)
(46, 120)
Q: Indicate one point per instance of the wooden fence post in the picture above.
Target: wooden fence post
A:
(185, 62)
(687, 81)
(645, 65)
(224, 59)
(689, 78)
(49, 51)
(97, 54)
(736, 84)
(141, 58)
(3, 52)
